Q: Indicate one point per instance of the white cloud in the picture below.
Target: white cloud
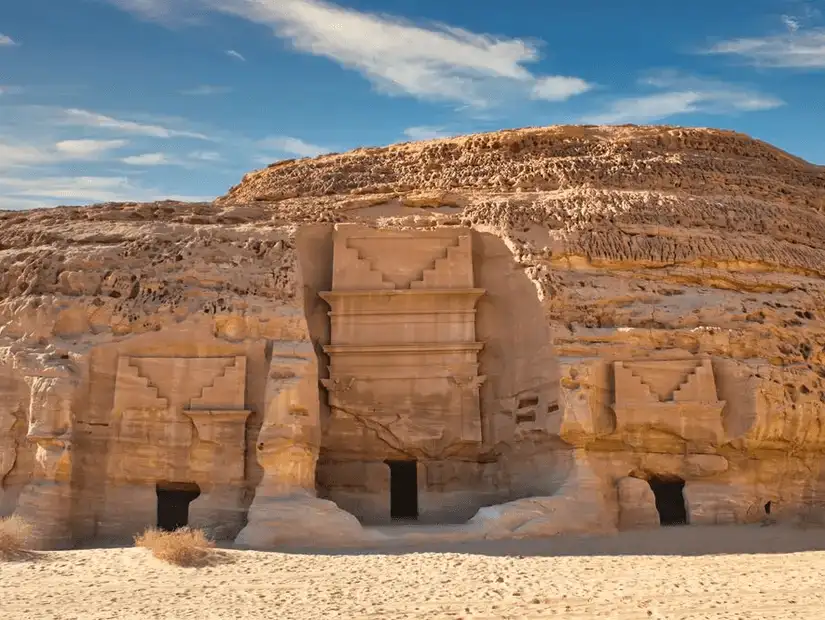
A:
(205, 155)
(180, 12)
(646, 108)
(682, 95)
(432, 62)
(88, 148)
(85, 118)
(292, 146)
(205, 90)
(236, 55)
(15, 154)
(559, 88)
(12, 154)
(795, 49)
(149, 159)
(6, 41)
(791, 23)
(425, 132)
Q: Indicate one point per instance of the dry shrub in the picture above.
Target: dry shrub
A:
(14, 533)
(183, 547)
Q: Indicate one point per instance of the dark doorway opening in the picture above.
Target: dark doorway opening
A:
(403, 490)
(670, 500)
(173, 504)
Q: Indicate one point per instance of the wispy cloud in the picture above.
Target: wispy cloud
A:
(205, 156)
(29, 193)
(6, 89)
(682, 95)
(50, 155)
(425, 132)
(427, 61)
(6, 41)
(16, 154)
(236, 55)
(796, 47)
(83, 188)
(85, 118)
(286, 145)
(794, 50)
(205, 90)
(88, 148)
(150, 159)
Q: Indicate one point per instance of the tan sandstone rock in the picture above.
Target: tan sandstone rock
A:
(637, 504)
(524, 333)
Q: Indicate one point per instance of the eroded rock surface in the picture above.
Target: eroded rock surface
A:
(538, 324)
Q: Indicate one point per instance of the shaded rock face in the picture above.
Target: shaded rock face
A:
(543, 328)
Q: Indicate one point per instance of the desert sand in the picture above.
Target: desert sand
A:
(721, 572)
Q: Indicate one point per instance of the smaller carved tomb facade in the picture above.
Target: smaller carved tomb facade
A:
(660, 399)
(403, 373)
(668, 411)
(177, 453)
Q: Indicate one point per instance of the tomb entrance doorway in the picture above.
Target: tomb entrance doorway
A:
(173, 504)
(670, 500)
(403, 490)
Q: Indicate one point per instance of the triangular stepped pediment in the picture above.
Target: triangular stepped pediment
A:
(134, 391)
(449, 270)
(663, 382)
(408, 261)
(181, 379)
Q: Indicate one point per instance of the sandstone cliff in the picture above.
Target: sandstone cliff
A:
(649, 307)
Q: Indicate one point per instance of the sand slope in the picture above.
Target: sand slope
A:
(724, 573)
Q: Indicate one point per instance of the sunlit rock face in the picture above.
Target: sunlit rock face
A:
(531, 332)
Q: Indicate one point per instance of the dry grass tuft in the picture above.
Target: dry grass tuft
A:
(183, 547)
(14, 533)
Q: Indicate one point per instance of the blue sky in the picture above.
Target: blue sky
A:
(143, 99)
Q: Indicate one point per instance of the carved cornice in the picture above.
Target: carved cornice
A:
(419, 347)
(475, 293)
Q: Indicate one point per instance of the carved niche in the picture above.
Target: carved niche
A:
(530, 412)
(403, 350)
(677, 397)
(183, 416)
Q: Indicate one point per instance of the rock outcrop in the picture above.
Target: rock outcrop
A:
(558, 329)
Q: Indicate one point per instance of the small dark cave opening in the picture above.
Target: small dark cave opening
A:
(670, 500)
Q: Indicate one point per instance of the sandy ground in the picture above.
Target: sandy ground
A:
(674, 573)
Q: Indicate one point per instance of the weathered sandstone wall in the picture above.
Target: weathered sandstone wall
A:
(650, 307)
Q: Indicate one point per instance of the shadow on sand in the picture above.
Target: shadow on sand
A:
(693, 540)
(665, 541)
